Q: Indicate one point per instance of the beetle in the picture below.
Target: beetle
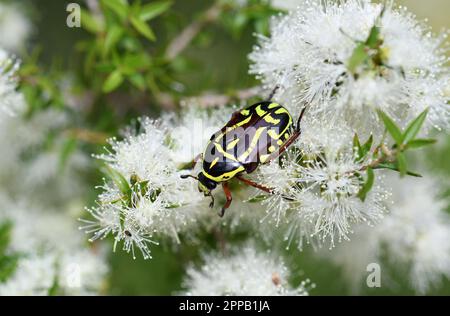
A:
(254, 135)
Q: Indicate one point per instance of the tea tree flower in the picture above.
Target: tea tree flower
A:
(245, 272)
(14, 27)
(413, 235)
(147, 196)
(348, 58)
(11, 101)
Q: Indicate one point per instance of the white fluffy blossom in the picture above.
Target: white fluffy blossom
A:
(415, 235)
(33, 276)
(50, 251)
(11, 101)
(158, 201)
(245, 272)
(317, 55)
(316, 190)
(14, 27)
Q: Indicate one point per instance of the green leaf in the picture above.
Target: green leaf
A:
(89, 23)
(8, 265)
(420, 142)
(117, 6)
(112, 37)
(358, 57)
(143, 28)
(68, 148)
(368, 184)
(402, 164)
(394, 167)
(373, 39)
(257, 198)
(113, 81)
(357, 145)
(119, 180)
(153, 9)
(5, 230)
(414, 127)
(138, 81)
(391, 127)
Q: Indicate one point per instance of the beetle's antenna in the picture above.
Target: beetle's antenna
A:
(273, 92)
(185, 176)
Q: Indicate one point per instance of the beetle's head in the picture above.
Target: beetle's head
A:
(205, 185)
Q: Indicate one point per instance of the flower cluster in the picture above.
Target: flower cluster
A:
(11, 101)
(348, 58)
(245, 272)
(413, 234)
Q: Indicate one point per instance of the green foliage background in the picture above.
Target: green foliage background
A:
(215, 61)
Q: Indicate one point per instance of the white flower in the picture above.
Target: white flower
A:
(11, 101)
(82, 272)
(34, 275)
(309, 54)
(317, 197)
(414, 235)
(158, 201)
(14, 27)
(245, 272)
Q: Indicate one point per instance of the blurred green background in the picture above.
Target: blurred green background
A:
(162, 275)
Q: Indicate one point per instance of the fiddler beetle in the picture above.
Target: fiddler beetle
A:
(254, 135)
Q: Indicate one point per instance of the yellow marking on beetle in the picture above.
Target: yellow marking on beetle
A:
(232, 143)
(271, 149)
(286, 135)
(279, 142)
(281, 110)
(225, 176)
(273, 105)
(230, 128)
(245, 112)
(252, 144)
(224, 153)
(214, 162)
(263, 158)
(260, 111)
(269, 119)
(272, 134)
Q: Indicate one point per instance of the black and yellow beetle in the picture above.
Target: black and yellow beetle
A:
(254, 135)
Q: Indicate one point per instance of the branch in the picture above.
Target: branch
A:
(186, 36)
(211, 99)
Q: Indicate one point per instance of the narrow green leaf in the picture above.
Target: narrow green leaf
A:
(368, 184)
(113, 81)
(414, 127)
(112, 37)
(138, 81)
(257, 198)
(420, 142)
(117, 6)
(356, 146)
(143, 28)
(402, 164)
(391, 127)
(358, 57)
(394, 167)
(153, 9)
(89, 23)
(119, 180)
(68, 148)
(367, 146)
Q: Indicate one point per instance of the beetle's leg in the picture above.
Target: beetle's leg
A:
(227, 192)
(297, 127)
(211, 204)
(255, 185)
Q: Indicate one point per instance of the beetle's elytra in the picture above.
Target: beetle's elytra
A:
(254, 135)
